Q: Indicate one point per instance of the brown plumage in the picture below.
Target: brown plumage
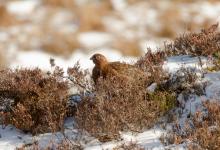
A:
(106, 69)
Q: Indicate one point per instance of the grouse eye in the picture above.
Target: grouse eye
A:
(98, 57)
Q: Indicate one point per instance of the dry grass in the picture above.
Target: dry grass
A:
(173, 22)
(7, 19)
(3, 60)
(90, 16)
(39, 99)
(127, 47)
(170, 22)
(60, 3)
(60, 44)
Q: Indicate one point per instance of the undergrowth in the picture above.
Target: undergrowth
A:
(39, 100)
(201, 131)
(118, 105)
(204, 43)
(113, 104)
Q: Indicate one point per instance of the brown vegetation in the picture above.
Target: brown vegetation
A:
(105, 112)
(152, 64)
(60, 44)
(127, 47)
(203, 129)
(90, 17)
(39, 99)
(60, 3)
(205, 43)
(3, 60)
(7, 19)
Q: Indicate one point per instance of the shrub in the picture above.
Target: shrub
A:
(117, 105)
(202, 131)
(184, 81)
(205, 43)
(40, 99)
(152, 64)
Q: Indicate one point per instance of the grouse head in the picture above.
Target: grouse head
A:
(99, 59)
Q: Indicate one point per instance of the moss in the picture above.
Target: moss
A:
(166, 99)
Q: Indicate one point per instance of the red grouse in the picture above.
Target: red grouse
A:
(106, 69)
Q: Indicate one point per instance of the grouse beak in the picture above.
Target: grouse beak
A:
(91, 58)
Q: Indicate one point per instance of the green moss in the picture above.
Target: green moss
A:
(166, 99)
(216, 62)
(217, 55)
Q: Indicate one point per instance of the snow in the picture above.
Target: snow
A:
(10, 138)
(148, 139)
(213, 77)
(22, 8)
(3, 36)
(119, 5)
(152, 87)
(117, 26)
(37, 58)
(149, 44)
(94, 39)
(176, 62)
(213, 88)
(209, 10)
(63, 21)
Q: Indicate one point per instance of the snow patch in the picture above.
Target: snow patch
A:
(94, 39)
(22, 7)
(174, 63)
